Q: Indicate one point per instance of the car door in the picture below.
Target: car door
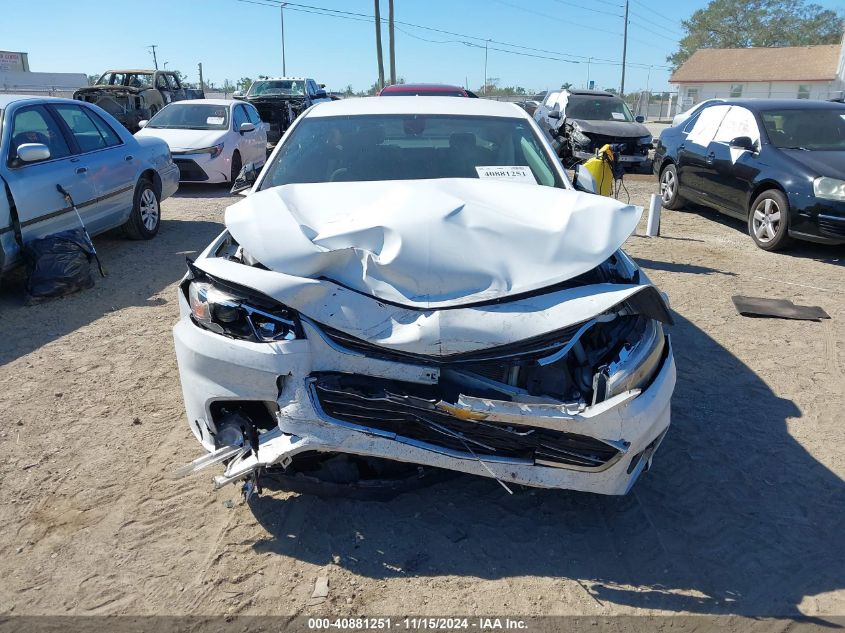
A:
(260, 155)
(692, 153)
(542, 113)
(729, 172)
(246, 140)
(109, 163)
(41, 209)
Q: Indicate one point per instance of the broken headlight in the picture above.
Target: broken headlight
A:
(636, 364)
(225, 312)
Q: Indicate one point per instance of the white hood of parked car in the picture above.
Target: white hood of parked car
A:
(181, 140)
(431, 243)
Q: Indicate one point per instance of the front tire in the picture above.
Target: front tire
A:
(669, 185)
(236, 167)
(144, 221)
(768, 220)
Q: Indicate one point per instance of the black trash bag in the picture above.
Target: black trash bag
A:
(58, 264)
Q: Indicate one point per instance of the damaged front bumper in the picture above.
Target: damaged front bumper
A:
(320, 394)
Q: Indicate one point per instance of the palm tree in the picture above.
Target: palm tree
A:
(566, 86)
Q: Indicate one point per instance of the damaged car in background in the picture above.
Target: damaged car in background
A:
(132, 96)
(428, 289)
(280, 100)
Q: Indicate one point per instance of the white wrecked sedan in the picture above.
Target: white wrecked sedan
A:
(415, 280)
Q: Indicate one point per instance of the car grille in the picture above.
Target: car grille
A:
(394, 408)
(832, 227)
(629, 145)
(189, 170)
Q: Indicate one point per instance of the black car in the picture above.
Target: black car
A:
(777, 164)
(280, 100)
(579, 122)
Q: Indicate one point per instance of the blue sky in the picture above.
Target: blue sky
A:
(234, 38)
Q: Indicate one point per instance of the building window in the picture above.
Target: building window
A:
(736, 91)
(804, 92)
(692, 96)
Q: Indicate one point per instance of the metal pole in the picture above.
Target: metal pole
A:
(624, 52)
(392, 40)
(152, 47)
(378, 46)
(589, 59)
(485, 66)
(199, 68)
(282, 11)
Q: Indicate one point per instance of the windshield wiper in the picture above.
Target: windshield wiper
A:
(803, 149)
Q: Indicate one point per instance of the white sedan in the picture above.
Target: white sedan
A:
(415, 280)
(210, 139)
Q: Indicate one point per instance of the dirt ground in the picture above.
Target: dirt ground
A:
(743, 512)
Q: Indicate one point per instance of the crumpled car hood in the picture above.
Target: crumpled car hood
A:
(431, 243)
(620, 129)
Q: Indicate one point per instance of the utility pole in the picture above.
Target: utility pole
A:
(199, 68)
(282, 10)
(378, 47)
(624, 52)
(589, 59)
(152, 48)
(165, 65)
(392, 42)
(485, 66)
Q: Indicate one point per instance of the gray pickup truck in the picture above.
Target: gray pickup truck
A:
(131, 96)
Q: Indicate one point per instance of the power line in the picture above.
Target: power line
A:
(652, 31)
(554, 17)
(654, 13)
(578, 6)
(363, 17)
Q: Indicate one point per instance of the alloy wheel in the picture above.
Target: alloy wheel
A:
(149, 209)
(667, 185)
(766, 220)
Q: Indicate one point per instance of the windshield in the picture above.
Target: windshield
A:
(597, 109)
(135, 80)
(410, 147)
(810, 129)
(191, 116)
(286, 87)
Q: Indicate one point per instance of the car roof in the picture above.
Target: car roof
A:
(142, 71)
(763, 105)
(282, 79)
(7, 100)
(418, 105)
(591, 93)
(218, 102)
(422, 88)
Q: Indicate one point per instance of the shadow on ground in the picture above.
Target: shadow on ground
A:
(833, 254)
(735, 516)
(136, 272)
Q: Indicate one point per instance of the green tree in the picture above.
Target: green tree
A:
(747, 23)
(565, 86)
(244, 83)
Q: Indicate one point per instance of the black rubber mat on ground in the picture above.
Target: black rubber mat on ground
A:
(776, 308)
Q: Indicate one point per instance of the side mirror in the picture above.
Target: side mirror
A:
(238, 93)
(639, 119)
(743, 142)
(31, 152)
(142, 124)
(322, 85)
(584, 181)
(246, 126)
(554, 114)
(246, 178)
(320, 94)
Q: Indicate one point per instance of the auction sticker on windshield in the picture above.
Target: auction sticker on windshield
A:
(518, 173)
(215, 120)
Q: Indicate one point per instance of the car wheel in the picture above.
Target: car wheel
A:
(236, 166)
(768, 220)
(145, 218)
(669, 184)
